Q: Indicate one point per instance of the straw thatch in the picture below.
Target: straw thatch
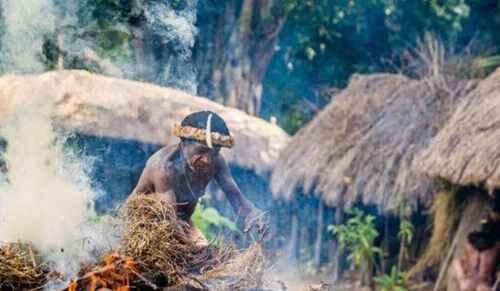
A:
(466, 150)
(362, 145)
(117, 108)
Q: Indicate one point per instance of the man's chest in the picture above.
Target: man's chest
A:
(189, 189)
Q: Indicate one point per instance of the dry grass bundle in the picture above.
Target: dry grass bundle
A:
(153, 236)
(20, 267)
(160, 243)
(243, 272)
(446, 212)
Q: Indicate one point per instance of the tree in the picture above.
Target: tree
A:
(324, 42)
(235, 45)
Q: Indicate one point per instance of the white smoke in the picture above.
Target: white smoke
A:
(176, 27)
(28, 23)
(178, 30)
(46, 199)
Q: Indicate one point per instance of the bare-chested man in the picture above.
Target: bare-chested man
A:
(476, 269)
(180, 173)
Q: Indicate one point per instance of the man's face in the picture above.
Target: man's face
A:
(200, 157)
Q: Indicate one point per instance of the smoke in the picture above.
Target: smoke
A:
(176, 29)
(26, 22)
(70, 27)
(46, 198)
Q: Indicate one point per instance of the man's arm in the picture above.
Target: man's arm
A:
(144, 185)
(241, 205)
(488, 263)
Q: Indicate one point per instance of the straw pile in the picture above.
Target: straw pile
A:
(242, 272)
(20, 267)
(160, 244)
(155, 253)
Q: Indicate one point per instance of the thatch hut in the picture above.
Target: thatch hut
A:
(121, 122)
(361, 147)
(466, 154)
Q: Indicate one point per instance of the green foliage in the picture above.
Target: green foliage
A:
(98, 219)
(210, 221)
(405, 234)
(394, 281)
(325, 41)
(406, 231)
(358, 236)
(488, 63)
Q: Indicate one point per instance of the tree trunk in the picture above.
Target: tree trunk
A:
(367, 275)
(234, 50)
(319, 234)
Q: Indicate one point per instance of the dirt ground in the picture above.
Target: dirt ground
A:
(297, 281)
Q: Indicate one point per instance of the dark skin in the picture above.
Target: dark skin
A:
(180, 174)
(474, 271)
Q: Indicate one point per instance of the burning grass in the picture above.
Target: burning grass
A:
(156, 252)
(20, 267)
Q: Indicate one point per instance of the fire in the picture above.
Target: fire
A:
(115, 273)
(72, 285)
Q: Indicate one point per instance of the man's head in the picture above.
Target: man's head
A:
(202, 135)
(481, 240)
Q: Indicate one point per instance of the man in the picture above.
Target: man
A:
(476, 269)
(180, 173)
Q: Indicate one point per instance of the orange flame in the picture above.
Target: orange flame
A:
(115, 273)
(72, 285)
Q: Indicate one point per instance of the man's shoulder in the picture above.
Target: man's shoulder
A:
(162, 157)
(163, 153)
(220, 160)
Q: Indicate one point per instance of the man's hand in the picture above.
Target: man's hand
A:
(251, 217)
(258, 222)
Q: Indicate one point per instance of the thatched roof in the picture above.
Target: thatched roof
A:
(362, 145)
(466, 151)
(117, 108)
